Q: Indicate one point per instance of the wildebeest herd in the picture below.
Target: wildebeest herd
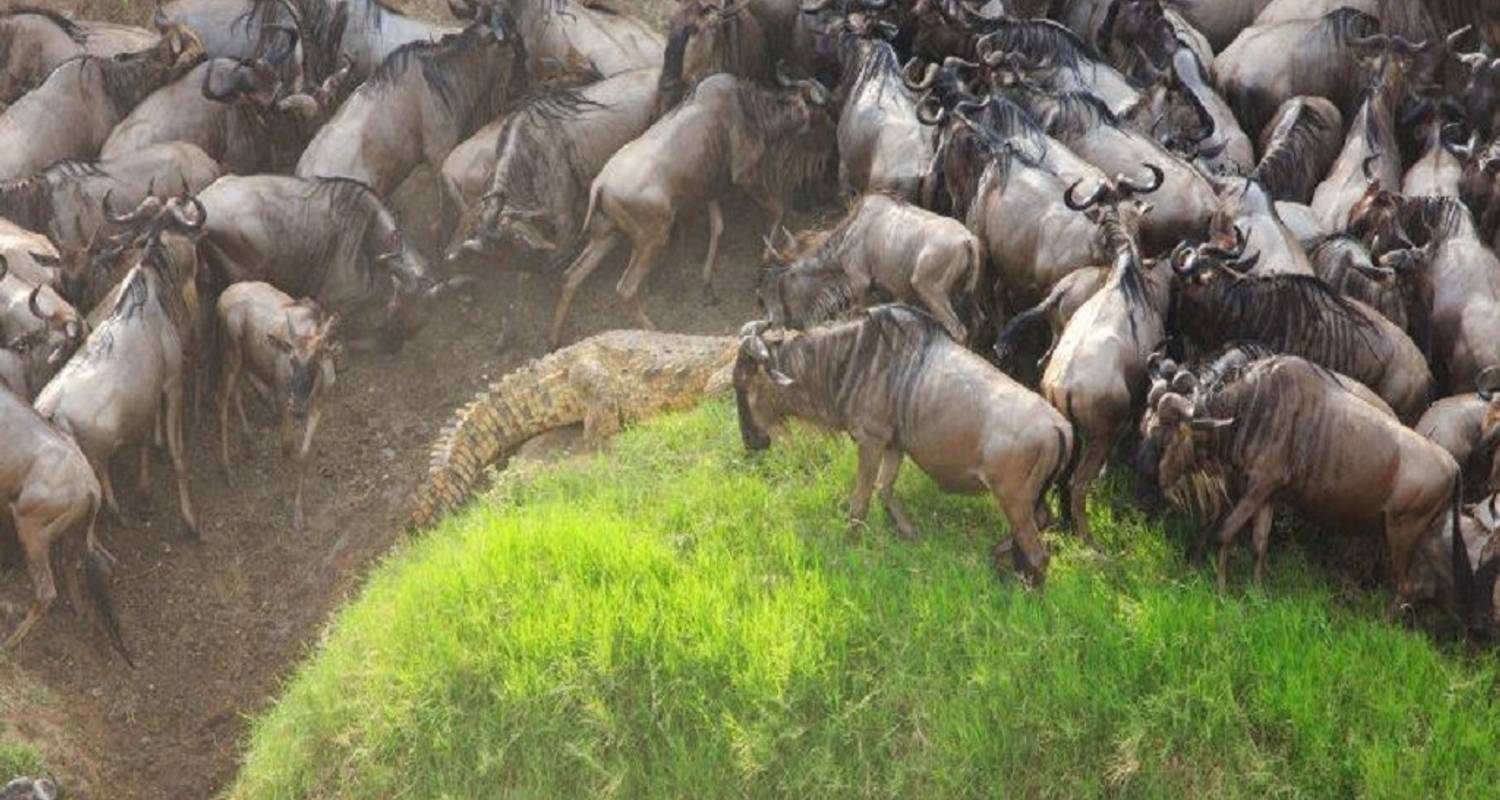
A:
(1249, 245)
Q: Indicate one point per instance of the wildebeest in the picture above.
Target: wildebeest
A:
(882, 145)
(1096, 374)
(241, 29)
(38, 329)
(1298, 314)
(705, 37)
(66, 200)
(1438, 171)
(72, 112)
(882, 247)
(896, 384)
(467, 169)
(568, 36)
(1467, 426)
(1371, 152)
(423, 100)
(52, 498)
(1058, 60)
(235, 111)
(1285, 428)
(1395, 286)
(1465, 320)
(34, 41)
(1297, 147)
(553, 146)
(288, 346)
(725, 133)
(129, 376)
(331, 239)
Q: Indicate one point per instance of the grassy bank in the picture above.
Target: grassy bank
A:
(679, 620)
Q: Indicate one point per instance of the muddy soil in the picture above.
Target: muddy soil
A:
(216, 627)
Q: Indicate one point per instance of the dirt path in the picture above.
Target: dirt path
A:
(215, 627)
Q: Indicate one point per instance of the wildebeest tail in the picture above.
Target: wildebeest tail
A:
(97, 566)
(1064, 481)
(1024, 323)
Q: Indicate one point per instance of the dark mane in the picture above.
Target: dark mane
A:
(264, 12)
(73, 169)
(877, 62)
(449, 83)
(1289, 159)
(67, 26)
(796, 159)
(1076, 114)
(552, 105)
(1296, 314)
(1442, 217)
(1037, 39)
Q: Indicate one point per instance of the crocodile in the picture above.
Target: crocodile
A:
(604, 382)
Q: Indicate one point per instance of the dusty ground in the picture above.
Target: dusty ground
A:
(215, 627)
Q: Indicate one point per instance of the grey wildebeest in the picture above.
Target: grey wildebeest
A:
(882, 145)
(1096, 375)
(242, 29)
(1058, 60)
(34, 41)
(1218, 301)
(1285, 428)
(882, 247)
(236, 112)
(52, 498)
(72, 112)
(725, 133)
(568, 36)
(288, 346)
(1006, 178)
(467, 169)
(896, 384)
(705, 37)
(38, 329)
(1297, 147)
(330, 239)
(1371, 153)
(553, 146)
(1396, 285)
(66, 200)
(129, 376)
(423, 100)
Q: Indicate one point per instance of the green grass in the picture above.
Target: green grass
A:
(18, 760)
(680, 620)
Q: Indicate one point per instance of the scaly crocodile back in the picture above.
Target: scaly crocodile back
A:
(603, 381)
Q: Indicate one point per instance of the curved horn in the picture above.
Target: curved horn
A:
(150, 205)
(922, 84)
(33, 306)
(4, 266)
(1133, 188)
(1230, 254)
(782, 79)
(1451, 40)
(1486, 382)
(926, 115)
(1373, 40)
(1364, 167)
(1087, 202)
(1244, 264)
(1407, 46)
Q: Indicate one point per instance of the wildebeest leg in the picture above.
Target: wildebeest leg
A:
(933, 283)
(890, 466)
(1261, 539)
(107, 486)
(304, 450)
(1403, 534)
(143, 483)
(229, 391)
(871, 454)
(715, 230)
(641, 262)
(1249, 505)
(768, 201)
(1095, 449)
(36, 536)
(173, 424)
(588, 261)
(1018, 502)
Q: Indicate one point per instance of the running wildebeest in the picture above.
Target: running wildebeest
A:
(895, 383)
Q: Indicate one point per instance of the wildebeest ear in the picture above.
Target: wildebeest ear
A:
(780, 378)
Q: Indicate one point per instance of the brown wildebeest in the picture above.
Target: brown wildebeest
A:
(1285, 428)
(130, 373)
(34, 41)
(727, 132)
(1097, 371)
(288, 346)
(706, 37)
(51, 496)
(72, 112)
(882, 245)
(896, 384)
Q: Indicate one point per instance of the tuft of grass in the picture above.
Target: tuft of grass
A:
(18, 760)
(678, 619)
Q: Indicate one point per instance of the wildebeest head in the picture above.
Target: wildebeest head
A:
(307, 344)
(757, 381)
(1175, 432)
(1481, 83)
(247, 81)
(803, 283)
(61, 331)
(1376, 220)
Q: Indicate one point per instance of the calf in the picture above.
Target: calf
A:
(898, 386)
(51, 497)
(882, 245)
(287, 345)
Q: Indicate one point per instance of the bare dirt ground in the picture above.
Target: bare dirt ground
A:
(216, 627)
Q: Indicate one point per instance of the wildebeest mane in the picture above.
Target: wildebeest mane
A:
(27, 202)
(1043, 39)
(264, 12)
(876, 63)
(791, 159)
(356, 206)
(1342, 25)
(547, 107)
(1076, 114)
(1440, 217)
(1289, 159)
(454, 83)
(67, 26)
(1296, 314)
